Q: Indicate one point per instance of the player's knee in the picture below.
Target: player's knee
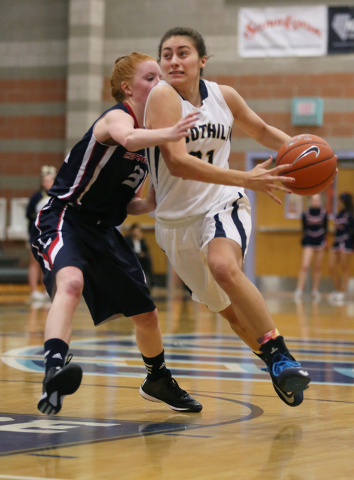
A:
(71, 284)
(224, 272)
(345, 267)
(147, 320)
(305, 267)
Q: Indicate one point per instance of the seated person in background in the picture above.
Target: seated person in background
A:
(137, 243)
(314, 225)
(35, 205)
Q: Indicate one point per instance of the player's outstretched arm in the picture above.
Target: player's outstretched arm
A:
(118, 126)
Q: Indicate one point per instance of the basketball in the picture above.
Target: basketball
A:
(313, 163)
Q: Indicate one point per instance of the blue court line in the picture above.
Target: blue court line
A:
(229, 338)
(232, 338)
(180, 358)
(54, 456)
(198, 392)
(181, 435)
(99, 353)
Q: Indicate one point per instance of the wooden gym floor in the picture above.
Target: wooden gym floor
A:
(107, 431)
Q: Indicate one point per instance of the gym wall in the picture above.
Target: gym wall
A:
(56, 59)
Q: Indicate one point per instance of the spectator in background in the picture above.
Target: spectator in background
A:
(314, 224)
(138, 244)
(35, 205)
(343, 247)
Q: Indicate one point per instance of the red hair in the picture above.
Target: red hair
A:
(123, 71)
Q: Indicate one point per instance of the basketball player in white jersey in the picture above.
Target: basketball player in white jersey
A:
(203, 215)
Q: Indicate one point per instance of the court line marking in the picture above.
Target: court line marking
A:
(206, 391)
(180, 339)
(23, 353)
(212, 339)
(17, 477)
(134, 354)
(181, 435)
(313, 382)
(44, 455)
(142, 375)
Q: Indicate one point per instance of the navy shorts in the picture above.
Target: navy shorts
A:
(346, 246)
(317, 243)
(114, 282)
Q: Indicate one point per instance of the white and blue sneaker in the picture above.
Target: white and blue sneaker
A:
(288, 377)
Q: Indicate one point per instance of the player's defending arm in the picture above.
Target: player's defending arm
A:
(118, 126)
(138, 205)
(164, 109)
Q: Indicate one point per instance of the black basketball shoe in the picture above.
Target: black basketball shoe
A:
(59, 382)
(167, 390)
(288, 377)
(293, 399)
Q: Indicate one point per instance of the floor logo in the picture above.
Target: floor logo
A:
(27, 433)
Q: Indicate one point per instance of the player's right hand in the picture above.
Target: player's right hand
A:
(182, 128)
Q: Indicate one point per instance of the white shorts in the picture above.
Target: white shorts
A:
(186, 247)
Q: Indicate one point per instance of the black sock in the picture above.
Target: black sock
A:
(55, 351)
(272, 348)
(155, 366)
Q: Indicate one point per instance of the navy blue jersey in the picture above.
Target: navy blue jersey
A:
(101, 179)
(314, 222)
(344, 223)
(35, 205)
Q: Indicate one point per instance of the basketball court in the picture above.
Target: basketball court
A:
(106, 430)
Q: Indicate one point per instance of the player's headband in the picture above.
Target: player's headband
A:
(119, 59)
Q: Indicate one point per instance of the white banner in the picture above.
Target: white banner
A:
(282, 32)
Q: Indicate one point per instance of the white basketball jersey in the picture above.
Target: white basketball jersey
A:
(210, 141)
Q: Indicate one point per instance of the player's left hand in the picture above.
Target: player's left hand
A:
(263, 179)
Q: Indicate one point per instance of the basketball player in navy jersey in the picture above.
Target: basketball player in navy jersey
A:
(76, 242)
(342, 248)
(203, 226)
(314, 225)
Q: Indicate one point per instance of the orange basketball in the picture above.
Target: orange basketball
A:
(313, 163)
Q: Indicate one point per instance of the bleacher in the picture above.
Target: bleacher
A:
(13, 227)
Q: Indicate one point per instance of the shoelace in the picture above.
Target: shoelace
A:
(280, 365)
(176, 387)
(68, 359)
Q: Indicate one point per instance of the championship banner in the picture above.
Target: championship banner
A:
(340, 29)
(282, 32)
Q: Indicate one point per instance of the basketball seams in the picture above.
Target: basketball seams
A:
(308, 165)
(277, 162)
(318, 184)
